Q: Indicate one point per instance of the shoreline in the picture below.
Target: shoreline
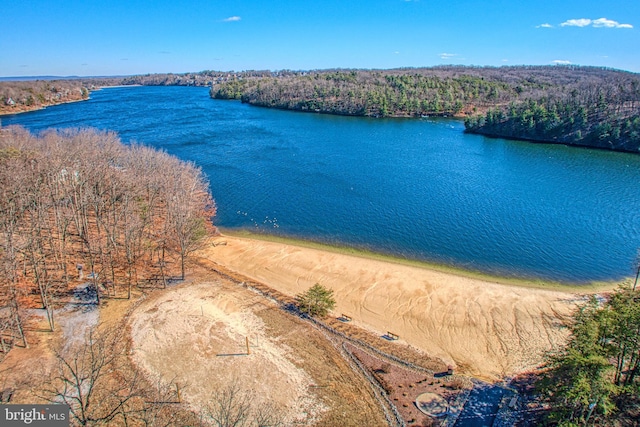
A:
(589, 287)
(115, 86)
(42, 107)
(482, 327)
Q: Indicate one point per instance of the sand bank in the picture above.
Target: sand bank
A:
(483, 328)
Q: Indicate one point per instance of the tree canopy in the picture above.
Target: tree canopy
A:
(78, 201)
(597, 373)
(316, 301)
(586, 106)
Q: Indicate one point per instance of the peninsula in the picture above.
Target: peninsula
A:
(585, 106)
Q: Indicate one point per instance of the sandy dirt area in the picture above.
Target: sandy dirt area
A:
(25, 370)
(484, 329)
(196, 335)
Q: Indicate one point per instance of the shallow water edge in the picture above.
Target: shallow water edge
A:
(586, 287)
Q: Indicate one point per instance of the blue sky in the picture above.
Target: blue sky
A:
(119, 37)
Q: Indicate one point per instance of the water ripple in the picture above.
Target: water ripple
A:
(414, 188)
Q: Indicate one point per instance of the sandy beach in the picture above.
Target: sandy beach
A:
(483, 328)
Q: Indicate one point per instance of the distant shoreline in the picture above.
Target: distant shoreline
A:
(115, 86)
(26, 109)
(40, 107)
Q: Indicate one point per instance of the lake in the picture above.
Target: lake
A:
(413, 188)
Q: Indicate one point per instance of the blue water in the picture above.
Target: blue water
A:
(415, 188)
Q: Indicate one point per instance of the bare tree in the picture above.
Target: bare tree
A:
(268, 415)
(231, 406)
(90, 379)
(12, 164)
(163, 406)
(82, 197)
(189, 209)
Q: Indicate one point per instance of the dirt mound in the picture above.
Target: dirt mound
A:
(197, 336)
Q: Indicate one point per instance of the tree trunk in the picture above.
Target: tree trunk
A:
(19, 323)
(182, 265)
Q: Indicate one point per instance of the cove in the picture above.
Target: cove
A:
(412, 188)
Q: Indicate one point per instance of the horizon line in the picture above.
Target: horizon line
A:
(74, 77)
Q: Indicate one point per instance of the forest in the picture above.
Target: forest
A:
(595, 378)
(20, 96)
(77, 204)
(607, 116)
(573, 105)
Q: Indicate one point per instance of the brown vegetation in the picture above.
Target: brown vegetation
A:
(81, 203)
(21, 96)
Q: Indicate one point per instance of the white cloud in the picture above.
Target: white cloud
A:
(604, 22)
(561, 62)
(608, 23)
(576, 23)
(232, 19)
(447, 55)
(545, 25)
(597, 23)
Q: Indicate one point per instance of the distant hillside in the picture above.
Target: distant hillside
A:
(202, 78)
(32, 78)
(21, 96)
(588, 106)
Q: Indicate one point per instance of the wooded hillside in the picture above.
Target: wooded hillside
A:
(81, 207)
(574, 105)
(604, 115)
(563, 104)
(20, 96)
(397, 93)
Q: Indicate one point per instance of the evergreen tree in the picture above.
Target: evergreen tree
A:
(595, 375)
(316, 301)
